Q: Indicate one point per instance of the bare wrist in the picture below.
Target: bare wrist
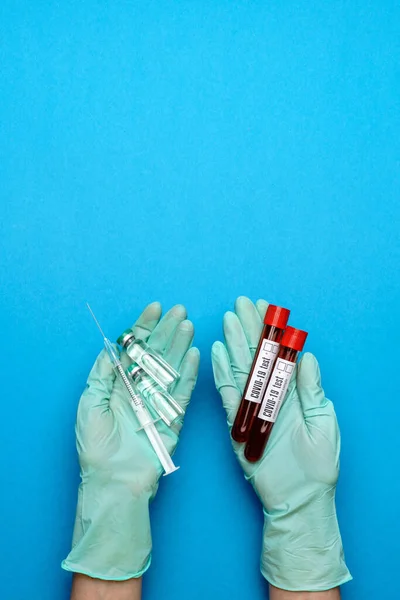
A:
(88, 588)
(278, 594)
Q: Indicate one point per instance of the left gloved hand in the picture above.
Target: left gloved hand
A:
(296, 477)
(119, 469)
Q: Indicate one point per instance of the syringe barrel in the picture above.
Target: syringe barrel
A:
(154, 396)
(147, 424)
(141, 411)
(160, 449)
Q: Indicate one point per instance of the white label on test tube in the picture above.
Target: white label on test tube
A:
(262, 371)
(276, 390)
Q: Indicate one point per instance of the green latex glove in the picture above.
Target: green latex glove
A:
(119, 469)
(296, 477)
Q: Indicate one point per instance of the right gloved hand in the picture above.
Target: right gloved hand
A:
(296, 477)
(119, 468)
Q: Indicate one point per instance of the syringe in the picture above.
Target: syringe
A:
(137, 404)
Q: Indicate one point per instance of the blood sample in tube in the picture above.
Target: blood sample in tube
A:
(275, 321)
(292, 343)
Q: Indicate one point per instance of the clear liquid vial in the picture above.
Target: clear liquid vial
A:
(149, 360)
(155, 397)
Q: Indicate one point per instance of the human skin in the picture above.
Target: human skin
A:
(277, 594)
(87, 588)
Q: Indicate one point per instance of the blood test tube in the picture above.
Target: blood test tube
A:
(275, 321)
(292, 343)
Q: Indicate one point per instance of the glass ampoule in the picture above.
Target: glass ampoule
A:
(154, 396)
(275, 321)
(292, 344)
(148, 359)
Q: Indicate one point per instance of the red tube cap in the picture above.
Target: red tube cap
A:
(276, 316)
(294, 338)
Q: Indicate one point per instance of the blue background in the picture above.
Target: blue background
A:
(192, 152)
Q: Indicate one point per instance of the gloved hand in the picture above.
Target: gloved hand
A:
(119, 469)
(296, 477)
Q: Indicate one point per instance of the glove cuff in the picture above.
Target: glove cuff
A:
(302, 547)
(113, 542)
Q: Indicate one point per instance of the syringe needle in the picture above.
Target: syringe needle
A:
(111, 353)
(95, 320)
(141, 411)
